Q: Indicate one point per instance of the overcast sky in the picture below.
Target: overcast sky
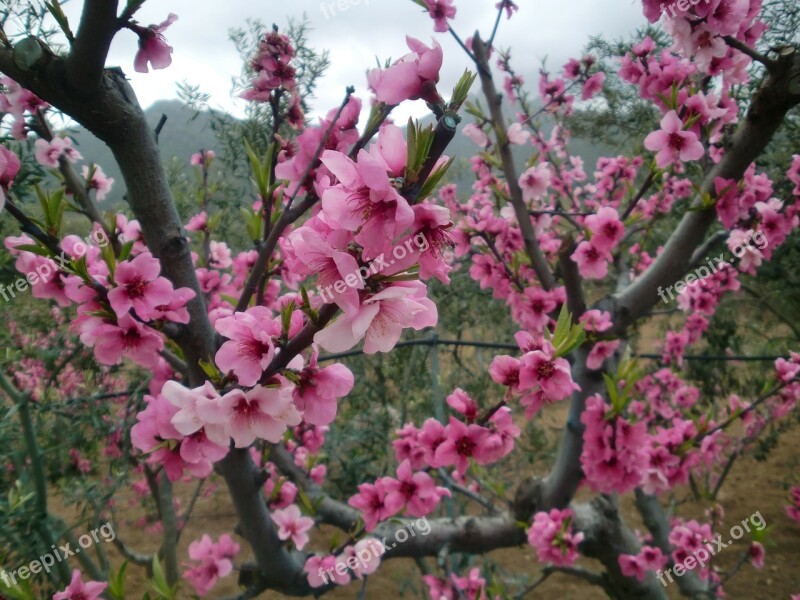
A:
(355, 36)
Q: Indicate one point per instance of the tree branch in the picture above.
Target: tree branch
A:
(535, 255)
(779, 93)
(87, 59)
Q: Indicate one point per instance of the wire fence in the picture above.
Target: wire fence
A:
(436, 341)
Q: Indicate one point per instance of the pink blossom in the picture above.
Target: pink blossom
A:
(551, 375)
(97, 181)
(316, 393)
(592, 262)
(215, 562)
(250, 346)
(323, 570)
(175, 310)
(195, 407)
(292, 525)
(551, 534)
(78, 590)
(509, 6)
(757, 553)
(476, 134)
(139, 287)
(793, 509)
(505, 371)
(615, 453)
(461, 402)
(600, 352)
(263, 412)
(672, 143)
(202, 158)
(606, 227)
(381, 319)
(368, 552)
(411, 77)
(416, 491)
(153, 48)
(593, 85)
(198, 222)
(322, 256)
(9, 167)
(596, 321)
(364, 202)
(461, 443)
(471, 587)
(535, 181)
(48, 153)
(517, 135)
(129, 338)
(375, 503)
(440, 11)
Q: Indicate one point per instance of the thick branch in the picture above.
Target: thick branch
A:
(779, 93)
(87, 58)
(657, 522)
(277, 567)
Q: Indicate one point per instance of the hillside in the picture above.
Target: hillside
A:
(181, 136)
(185, 132)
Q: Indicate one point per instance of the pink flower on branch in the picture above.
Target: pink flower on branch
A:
(292, 525)
(140, 287)
(263, 412)
(250, 346)
(215, 562)
(153, 48)
(672, 143)
(381, 319)
(440, 11)
(552, 536)
(411, 77)
(78, 590)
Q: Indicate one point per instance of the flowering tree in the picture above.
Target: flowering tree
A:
(347, 228)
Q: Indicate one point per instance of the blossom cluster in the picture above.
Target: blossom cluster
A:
(275, 75)
(552, 535)
(213, 561)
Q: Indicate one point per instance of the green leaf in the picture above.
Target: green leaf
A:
(125, 251)
(107, 252)
(461, 91)
(253, 222)
(210, 369)
(411, 147)
(305, 503)
(116, 583)
(434, 179)
(35, 249)
(613, 391)
(159, 582)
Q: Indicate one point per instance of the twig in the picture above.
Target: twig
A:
(769, 63)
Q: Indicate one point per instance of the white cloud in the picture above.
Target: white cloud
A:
(355, 36)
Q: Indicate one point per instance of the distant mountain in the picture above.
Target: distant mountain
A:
(185, 132)
(181, 136)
